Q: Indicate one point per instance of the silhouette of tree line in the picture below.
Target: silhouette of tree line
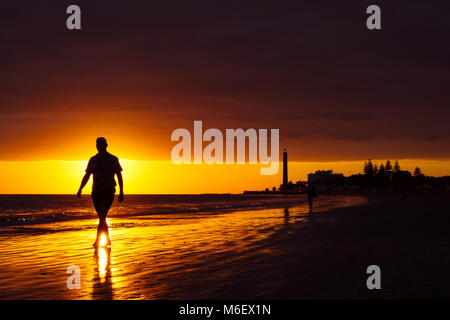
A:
(385, 177)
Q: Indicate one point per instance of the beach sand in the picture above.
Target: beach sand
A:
(275, 253)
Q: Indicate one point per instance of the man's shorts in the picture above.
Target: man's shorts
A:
(103, 200)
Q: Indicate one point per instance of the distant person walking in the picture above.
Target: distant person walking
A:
(103, 166)
(312, 193)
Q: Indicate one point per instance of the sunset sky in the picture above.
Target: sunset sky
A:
(136, 71)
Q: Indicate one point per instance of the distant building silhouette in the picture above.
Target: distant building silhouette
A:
(324, 179)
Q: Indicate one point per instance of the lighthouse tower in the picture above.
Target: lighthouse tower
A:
(285, 172)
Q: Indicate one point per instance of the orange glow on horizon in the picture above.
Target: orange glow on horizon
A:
(164, 177)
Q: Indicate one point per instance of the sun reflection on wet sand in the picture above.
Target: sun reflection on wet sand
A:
(102, 283)
(103, 260)
(149, 258)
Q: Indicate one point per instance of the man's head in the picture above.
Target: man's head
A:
(101, 144)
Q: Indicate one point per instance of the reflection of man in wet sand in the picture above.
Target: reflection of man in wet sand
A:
(104, 166)
(102, 283)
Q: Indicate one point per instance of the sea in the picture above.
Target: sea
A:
(17, 210)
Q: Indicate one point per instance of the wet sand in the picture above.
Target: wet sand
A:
(271, 253)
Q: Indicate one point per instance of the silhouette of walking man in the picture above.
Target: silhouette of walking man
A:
(312, 193)
(103, 166)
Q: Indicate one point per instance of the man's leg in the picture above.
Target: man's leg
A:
(105, 230)
(99, 205)
(99, 234)
(109, 199)
(102, 203)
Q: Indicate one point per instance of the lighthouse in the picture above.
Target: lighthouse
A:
(285, 172)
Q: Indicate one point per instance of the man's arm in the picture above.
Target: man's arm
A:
(83, 183)
(120, 180)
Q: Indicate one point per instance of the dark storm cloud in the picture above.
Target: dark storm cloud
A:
(311, 69)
